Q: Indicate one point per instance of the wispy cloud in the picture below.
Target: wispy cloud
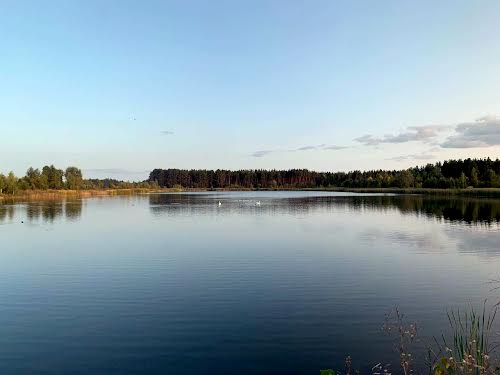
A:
(261, 153)
(320, 147)
(167, 132)
(334, 148)
(414, 133)
(306, 148)
(367, 140)
(484, 132)
(422, 156)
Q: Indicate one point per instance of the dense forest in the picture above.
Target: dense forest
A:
(52, 178)
(451, 174)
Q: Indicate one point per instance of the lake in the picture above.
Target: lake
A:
(176, 284)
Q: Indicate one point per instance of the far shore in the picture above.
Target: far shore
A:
(469, 192)
(61, 194)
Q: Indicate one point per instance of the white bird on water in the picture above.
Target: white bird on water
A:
(257, 203)
(220, 204)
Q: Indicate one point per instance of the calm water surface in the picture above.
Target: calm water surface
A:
(175, 284)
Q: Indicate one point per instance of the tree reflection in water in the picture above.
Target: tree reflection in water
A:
(464, 210)
(41, 211)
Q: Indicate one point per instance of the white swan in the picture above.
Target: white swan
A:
(220, 204)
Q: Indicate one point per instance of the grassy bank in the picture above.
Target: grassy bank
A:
(58, 194)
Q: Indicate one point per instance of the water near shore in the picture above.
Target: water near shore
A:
(178, 284)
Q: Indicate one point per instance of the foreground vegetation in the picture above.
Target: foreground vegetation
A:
(470, 348)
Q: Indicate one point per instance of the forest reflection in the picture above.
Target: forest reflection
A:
(42, 211)
(464, 210)
(473, 211)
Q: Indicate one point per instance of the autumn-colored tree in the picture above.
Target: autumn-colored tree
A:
(474, 179)
(407, 179)
(462, 181)
(491, 178)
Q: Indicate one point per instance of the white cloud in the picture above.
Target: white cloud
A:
(415, 133)
(321, 147)
(483, 132)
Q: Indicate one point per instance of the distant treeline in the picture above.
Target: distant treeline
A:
(52, 178)
(451, 174)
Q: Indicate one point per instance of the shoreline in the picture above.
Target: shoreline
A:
(61, 194)
(470, 192)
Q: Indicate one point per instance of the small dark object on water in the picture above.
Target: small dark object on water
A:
(22, 222)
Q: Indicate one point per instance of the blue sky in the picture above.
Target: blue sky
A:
(121, 87)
